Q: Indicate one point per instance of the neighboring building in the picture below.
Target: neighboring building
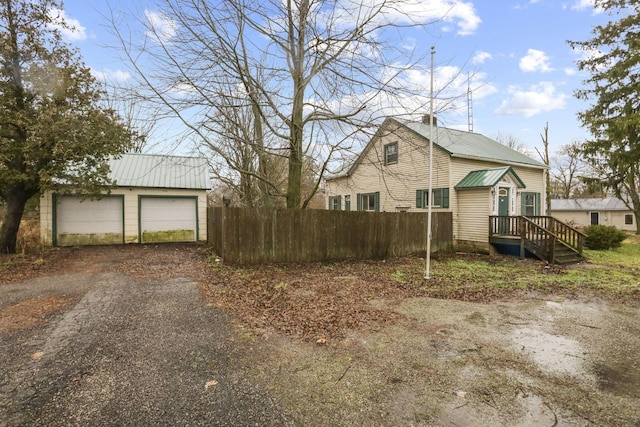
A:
(473, 177)
(156, 198)
(584, 212)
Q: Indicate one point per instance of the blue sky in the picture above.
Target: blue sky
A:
(524, 72)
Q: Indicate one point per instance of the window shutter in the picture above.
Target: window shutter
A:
(418, 198)
(377, 201)
(523, 203)
(445, 197)
(359, 201)
(339, 203)
(538, 206)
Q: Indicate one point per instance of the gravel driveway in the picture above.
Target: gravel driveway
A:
(123, 336)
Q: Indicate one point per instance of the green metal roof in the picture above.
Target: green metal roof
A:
(160, 171)
(456, 143)
(468, 144)
(487, 178)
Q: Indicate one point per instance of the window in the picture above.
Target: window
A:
(391, 153)
(369, 202)
(628, 219)
(347, 203)
(335, 203)
(440, 198)
(595, 218)
(530, 204)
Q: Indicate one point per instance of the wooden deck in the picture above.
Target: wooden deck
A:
(543, 236)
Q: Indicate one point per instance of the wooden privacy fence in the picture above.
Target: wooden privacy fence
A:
(254, 236)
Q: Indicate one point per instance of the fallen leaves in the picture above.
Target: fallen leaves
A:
(31, 312)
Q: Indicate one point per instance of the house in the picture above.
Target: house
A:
(473, 176)
(156, 198)
(584, 212)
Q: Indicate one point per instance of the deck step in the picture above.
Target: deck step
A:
(533, 234)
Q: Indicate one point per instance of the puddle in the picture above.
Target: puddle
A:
(617, 380)
(553, 353)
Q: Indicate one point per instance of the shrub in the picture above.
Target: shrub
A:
(602, 237)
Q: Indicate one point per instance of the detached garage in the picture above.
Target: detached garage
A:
(156, 199)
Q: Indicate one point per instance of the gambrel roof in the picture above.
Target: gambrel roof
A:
(457, 144)
(160, 171)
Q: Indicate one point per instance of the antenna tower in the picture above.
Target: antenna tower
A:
(470, 107)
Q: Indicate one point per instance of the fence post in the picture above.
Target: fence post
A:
(223, 213)
(523, 235)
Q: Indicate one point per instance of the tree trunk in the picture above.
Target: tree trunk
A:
(547, 161)
(16, 200)
(294, 187)
(296, 52)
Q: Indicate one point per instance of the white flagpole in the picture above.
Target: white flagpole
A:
(430, 195)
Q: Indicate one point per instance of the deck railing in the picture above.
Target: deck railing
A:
(536, 229)
(565, 233)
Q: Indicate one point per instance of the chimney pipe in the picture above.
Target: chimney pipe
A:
(426, 119)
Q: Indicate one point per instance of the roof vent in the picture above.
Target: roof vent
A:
(426, 119)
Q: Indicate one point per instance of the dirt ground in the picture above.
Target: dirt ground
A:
(357, 343)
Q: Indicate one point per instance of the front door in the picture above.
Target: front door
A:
(503, 210)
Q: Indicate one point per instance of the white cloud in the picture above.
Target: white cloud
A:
(581, 5)
(450, 88)
(161, 27)
(72, 31)
(409, 43)
(570, 71)
(535, 60)
(111, 75)
(480, 57)
(538, 98)
(461, 14)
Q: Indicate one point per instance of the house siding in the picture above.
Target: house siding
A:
(130, 211)
(533, 179)
(397, 183)
(472, 214)
(582, 219)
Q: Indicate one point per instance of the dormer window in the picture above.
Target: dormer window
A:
(391, 153)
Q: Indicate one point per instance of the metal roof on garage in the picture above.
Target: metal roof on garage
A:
(594, 204)
(488, 178)
(160, 171)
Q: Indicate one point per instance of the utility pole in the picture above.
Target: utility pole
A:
(429, 195)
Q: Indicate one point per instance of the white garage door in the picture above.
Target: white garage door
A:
(168, 219)
(89, 222)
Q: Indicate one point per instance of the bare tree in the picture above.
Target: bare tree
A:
(255, 81)
(135, 113)
(547, 161)
(512, 142)
(567, 170)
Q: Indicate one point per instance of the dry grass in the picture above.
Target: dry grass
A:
(28, 239)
